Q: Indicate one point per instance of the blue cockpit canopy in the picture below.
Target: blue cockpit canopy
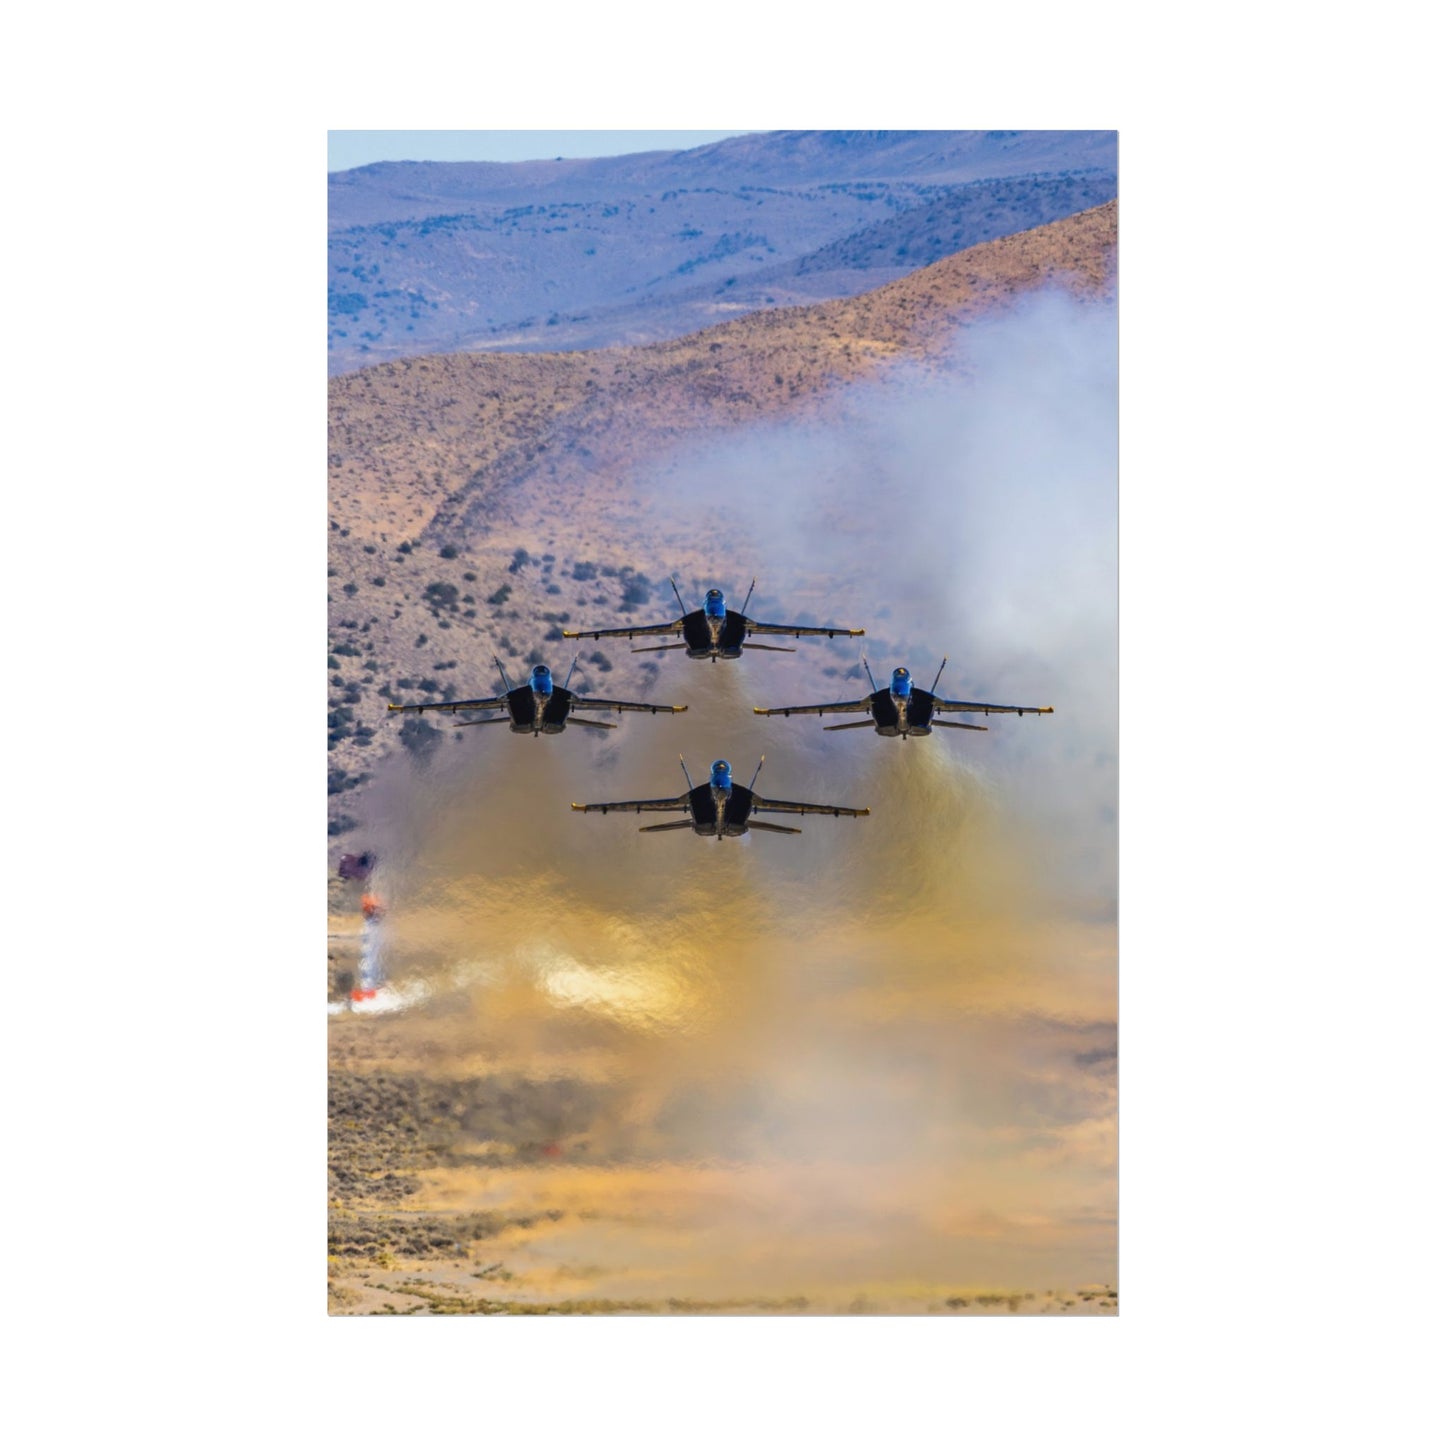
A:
(542, 680)
(902, 683)
(722, 775)
(713, 604)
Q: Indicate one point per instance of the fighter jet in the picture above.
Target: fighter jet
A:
(714, 630)
(901, 710)
(719, 808)
(538, 706)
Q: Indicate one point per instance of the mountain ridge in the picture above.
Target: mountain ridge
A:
(548, 256)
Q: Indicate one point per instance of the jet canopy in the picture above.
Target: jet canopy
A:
(713, 604)
(722, 775)
(542, 680)
(902, 683)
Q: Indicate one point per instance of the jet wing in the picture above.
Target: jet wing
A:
(643, 805)
(662, 629)
(862, 705)
(783, 629)
(942, 704)
(604, 704)
(775, 805)
(476, 702)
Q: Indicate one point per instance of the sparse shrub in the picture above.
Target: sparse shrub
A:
(520, 557)
(637, 590)
(340, 824)
(420, 640)
(469, 576)
(350, 588)
(553, 634)
(449, 551)
(499, 596)
(419, 738)
(584, 571)
(441, 594)
(600, 661)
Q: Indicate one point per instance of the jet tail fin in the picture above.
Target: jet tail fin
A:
(678, 595)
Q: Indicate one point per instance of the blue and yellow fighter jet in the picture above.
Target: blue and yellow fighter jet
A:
(714, 630)
(719, 808)
(538, 706)
(901, 709)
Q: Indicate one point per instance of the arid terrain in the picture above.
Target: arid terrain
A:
(576, 254)
(829, 1074)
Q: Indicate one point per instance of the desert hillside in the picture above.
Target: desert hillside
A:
(572, 254)
(477, 501)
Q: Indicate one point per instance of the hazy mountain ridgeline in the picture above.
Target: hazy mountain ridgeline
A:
(565, 254)
(480, 503)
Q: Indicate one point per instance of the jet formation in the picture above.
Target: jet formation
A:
(720, 807)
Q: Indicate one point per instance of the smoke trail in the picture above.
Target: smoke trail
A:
(900, 1028)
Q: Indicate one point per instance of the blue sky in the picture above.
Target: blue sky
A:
(348, 148)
